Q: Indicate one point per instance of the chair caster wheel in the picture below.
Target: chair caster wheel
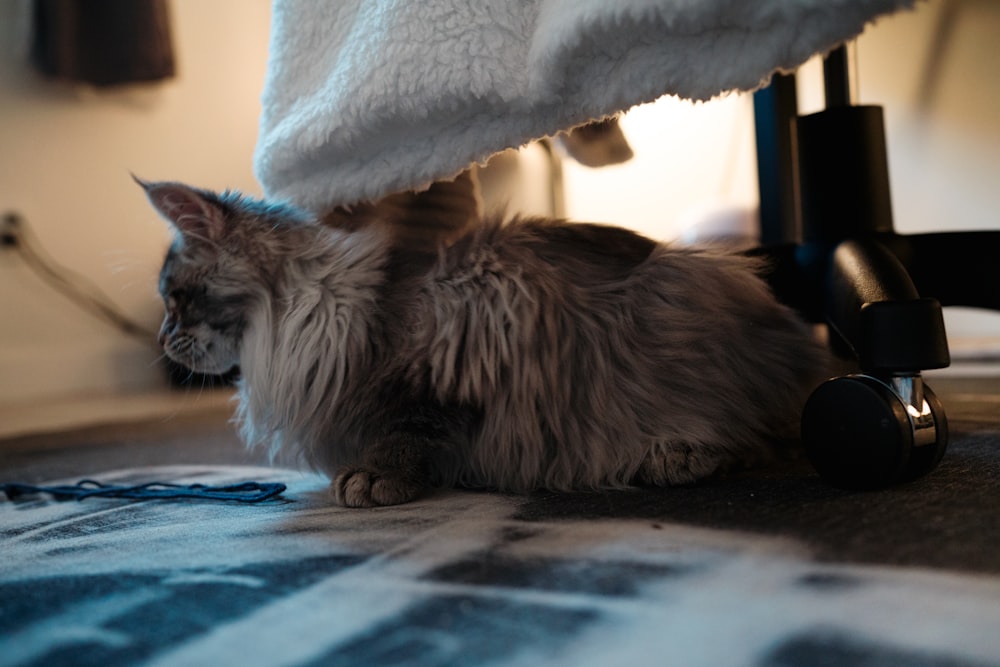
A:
(862, 433)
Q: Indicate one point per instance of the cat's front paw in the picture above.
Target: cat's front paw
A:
(358, 487)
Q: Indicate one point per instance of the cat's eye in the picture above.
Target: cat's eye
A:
(177, 299)
(186, 294)
(171, 299)
(187, 300)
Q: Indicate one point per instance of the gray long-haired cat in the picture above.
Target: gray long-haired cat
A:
(521, 355)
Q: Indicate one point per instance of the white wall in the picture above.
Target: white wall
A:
(65, 157)
(944, 148)
(689, 158)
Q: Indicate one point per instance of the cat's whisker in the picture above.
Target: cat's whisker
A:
(124, 258)
(118, 268)
(184, 403)
(158, 360)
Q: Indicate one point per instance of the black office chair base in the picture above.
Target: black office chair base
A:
(864, 433)
(833, 255)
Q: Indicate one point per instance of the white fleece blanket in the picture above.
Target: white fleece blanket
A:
(368, 97)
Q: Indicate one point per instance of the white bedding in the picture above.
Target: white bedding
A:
(368, 97)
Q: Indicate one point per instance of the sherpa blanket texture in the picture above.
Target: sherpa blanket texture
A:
(364, 98)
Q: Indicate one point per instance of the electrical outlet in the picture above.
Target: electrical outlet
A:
(10, 222)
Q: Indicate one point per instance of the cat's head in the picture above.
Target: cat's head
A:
(218, 269)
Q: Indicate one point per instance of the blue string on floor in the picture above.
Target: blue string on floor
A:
(245, 492)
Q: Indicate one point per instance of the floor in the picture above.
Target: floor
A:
(68, 413)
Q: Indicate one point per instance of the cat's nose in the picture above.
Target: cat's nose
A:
(165, 330)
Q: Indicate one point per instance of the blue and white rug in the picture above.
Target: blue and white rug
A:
(459, 578)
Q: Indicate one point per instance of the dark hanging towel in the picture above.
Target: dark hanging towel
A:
(103, 42)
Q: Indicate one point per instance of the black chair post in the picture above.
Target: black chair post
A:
(775, 109)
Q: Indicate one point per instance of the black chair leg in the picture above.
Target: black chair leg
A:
(956, 268)
(874, 306)
(883, 425)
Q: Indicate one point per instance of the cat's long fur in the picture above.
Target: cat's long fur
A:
(527, 354)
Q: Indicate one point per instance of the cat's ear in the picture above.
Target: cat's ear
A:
(190, 210)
